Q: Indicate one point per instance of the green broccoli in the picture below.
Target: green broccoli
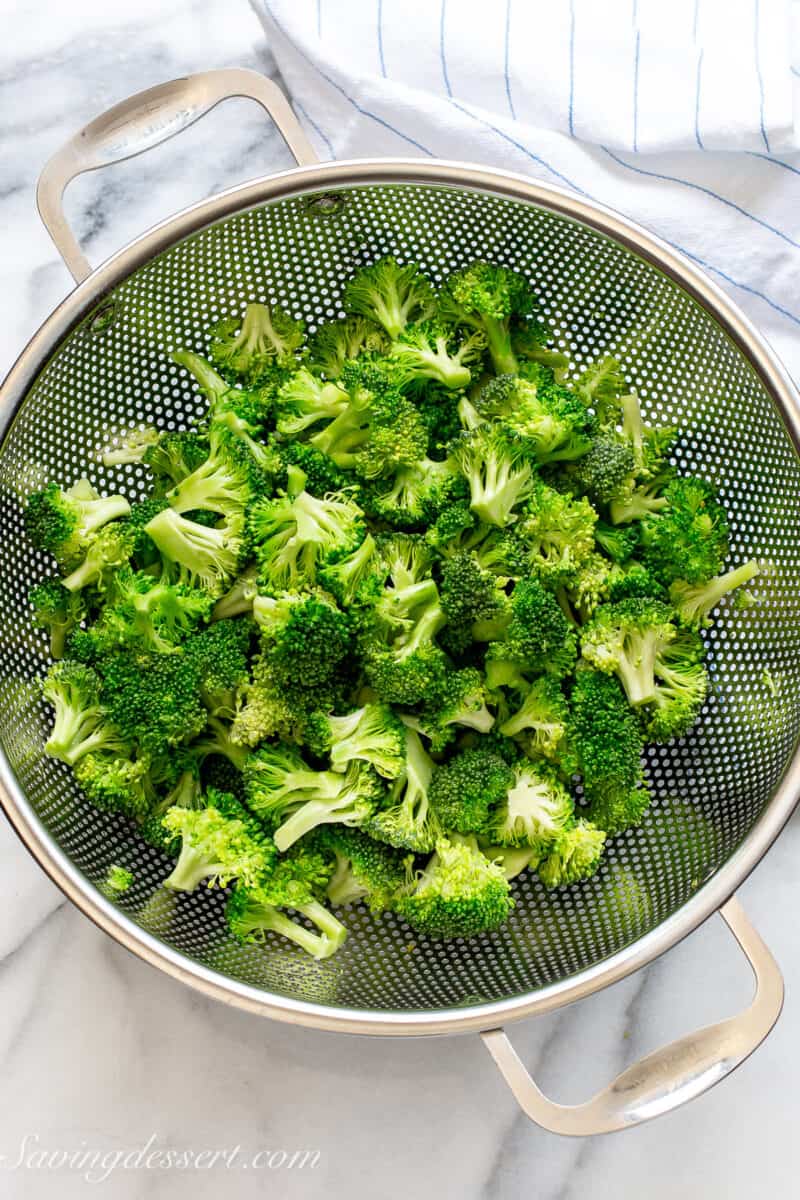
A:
(487, 298)
(536, 809)
(390, 294)
(693, 602)
(460, 893)
(251, 346)
(574, 856)
(541, 720)
(220, 843)
(406, 817)
(336, 342)
(57, 610)
(371, 734)
(688, 539)
(464, 790)
(82, 724)
(494, 462)
(305, 399)
(66, 523)
(427, 350)
(365, 869)
(628, 638)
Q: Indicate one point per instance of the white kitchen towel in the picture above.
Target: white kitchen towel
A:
(680, 115)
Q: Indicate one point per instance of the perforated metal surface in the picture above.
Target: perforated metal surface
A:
(709, 788)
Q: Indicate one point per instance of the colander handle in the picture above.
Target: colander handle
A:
(146, 120)
(670, 1076)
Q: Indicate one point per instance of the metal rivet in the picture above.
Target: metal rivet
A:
(104, 317)
(326, 204)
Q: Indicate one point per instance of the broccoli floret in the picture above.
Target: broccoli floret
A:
(321, 473)
(365, 869)
(427, 350)
(467, 593)
(57, 610)
(115, 784)
(628, 639)
(512, 860)
(558, 532)
(635, 579)
(294, 534)
(693, 602)
(574, 856)
(460, 893)
(305, 637)
(461, 703)
(538, 636)
(336, 342)
(549, 417)
(600, 386)
(253, 345)
(640, 502)
(296, 882)
(355, 578)
(66, 523)
(380, 430)
(681, 687)
(536, 809)
(305, 399)
(220, 842)
(174, 456)
(406, 819)
(464, 790)
(438, 407)
(618, 543)
(371, 734)
(221, 651)
(130, 447)
(82, 724)
(540, 722)
(148, 613)
(196, 555)
(494, 463)
(265, 710)
(391, 294)
(614, 810)
(416, 494)
(154, 699)
(117, 882)
(589, 586)
(605, 734)
(227, 482)
(605, 470)
(487, 298)
(689, 539)
(650, 446)
(109, 549)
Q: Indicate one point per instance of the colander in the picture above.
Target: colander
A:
(100, 365)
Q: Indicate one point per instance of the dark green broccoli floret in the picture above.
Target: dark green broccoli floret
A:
(632, 580)
(689, 538)
(154, 699)
(537, 636)
(605, 734)
(305, 637)
(467, 594)
(67, 522)
(365, 869)
(619, 543)
(558, 532)
(605, 470)
(615, 809)
(354, 578)
(416, 494)
(390, 294)
(460, 703)
(464, 790)
(460, 893)
(487, 298)
(149, 613)
(548, 416)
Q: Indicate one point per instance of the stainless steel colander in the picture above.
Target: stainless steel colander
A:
(721, 795)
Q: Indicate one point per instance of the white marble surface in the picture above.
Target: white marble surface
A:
(98, 1051)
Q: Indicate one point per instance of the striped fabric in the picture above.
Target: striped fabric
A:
(679, 114)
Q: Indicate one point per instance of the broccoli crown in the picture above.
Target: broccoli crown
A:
(337, 342)
(148, 613)
(406, 818)
(616, 809)
(65, 522)
(466, 789)
(251, 346)
(252, 912)
(372, 734)
(540, 723)
(467, 593)
(110, 548)
(427, 350)
(364, 869)
(220, 843)
(600, 386)
(461, 702)
(681, 687)
(635, 579)
(389, 294)
(559, 532)
(488, 298)
(115, 784)
(380, 430)
(494, 462)
(305, 637)
(574, 856)
(416, 494)
(605, 470)
(196, 555)
(538, 637)
(294, 534)
(605, 733)
(174, 456)
(154, 699)
(459, 894)
(82, 723)
(536, 809)
(548, 416)
(628, 639)
(357, 577)
(688, 538)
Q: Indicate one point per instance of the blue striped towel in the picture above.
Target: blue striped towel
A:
(680, 115)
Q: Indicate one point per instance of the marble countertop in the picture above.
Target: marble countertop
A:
(100, 1053)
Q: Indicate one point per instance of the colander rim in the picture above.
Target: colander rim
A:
(432, 172)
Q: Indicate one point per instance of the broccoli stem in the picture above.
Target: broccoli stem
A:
(694, 603)
(318, 945)
(499, 341)
(190, 870)
(637, 668)
(308, 817)
(212, 385)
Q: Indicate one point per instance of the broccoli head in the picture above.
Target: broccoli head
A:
(460, 893)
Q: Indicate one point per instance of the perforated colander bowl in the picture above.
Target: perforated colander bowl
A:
(720, 795)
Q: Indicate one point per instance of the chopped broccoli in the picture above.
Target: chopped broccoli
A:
(487, 298)
(536, 809)
(336, 342)
(629, 638)
(57, 610)
(371, 734)
(67, 522)
(574, 856)
(406, 818)
(390, 294)
(365, 869)
(253, 345)
(220, 843)
(82, 723)
(693, 602)
(460, 893)
(429, 351)
(464, 790)
(494, 462)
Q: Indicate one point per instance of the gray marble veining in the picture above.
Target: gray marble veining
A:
(98, 1050)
